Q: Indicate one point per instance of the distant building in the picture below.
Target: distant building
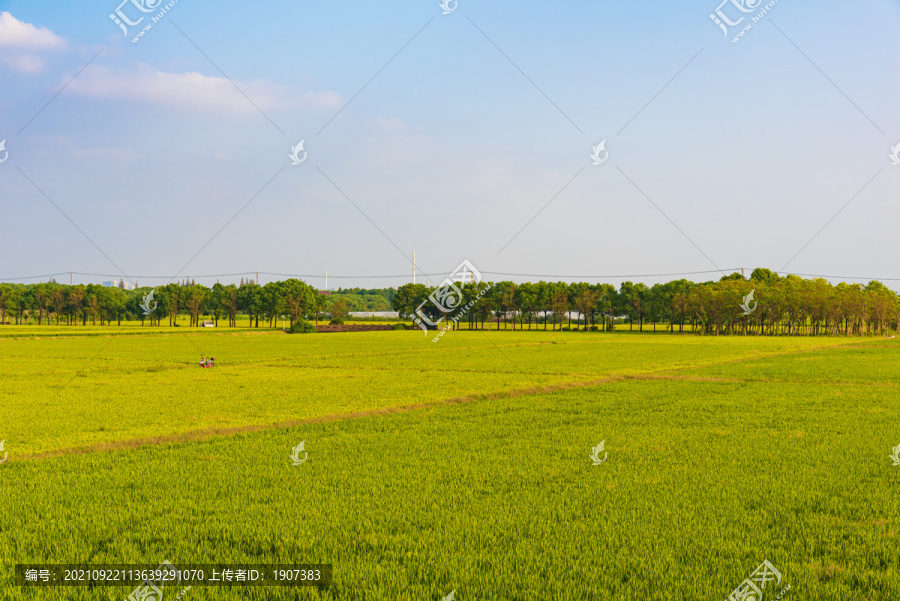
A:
(118, 284)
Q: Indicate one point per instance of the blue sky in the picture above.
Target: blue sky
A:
(721, 154)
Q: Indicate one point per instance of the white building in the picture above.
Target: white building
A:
(118, 284)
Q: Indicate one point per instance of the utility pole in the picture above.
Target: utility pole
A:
(257, 278)
(742, 272)
(326, 279)
(414, 266)
(70, 278)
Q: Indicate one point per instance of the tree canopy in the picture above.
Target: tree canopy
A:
(764, 304)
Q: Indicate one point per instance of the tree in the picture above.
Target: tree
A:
(114, 304)
(528, 301)
(507, 292)
(680, 291)
(408, 298)
(322, 303)
(633, 297)
(481, 311)
(272, 302)
(494, 301)
(299, 298)
(250, 300)
(559, 303)
(93, 302)
(6, 301)
(339, 310)
(732, 276)
(230, 303)
(606, 305)
(58, 300)
(659, 304)
(41, 295)
(173, 295)
(194, 297)
(585, 300)
(214, 302)
(881, 302)
(76, 301)
(765, 276)
(16, 302)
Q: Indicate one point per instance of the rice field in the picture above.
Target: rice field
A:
(457, 466)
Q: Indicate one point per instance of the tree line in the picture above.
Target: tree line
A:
(79, 304)
(763, 304)
(778, 305)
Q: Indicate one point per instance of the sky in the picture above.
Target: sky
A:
(465, 136)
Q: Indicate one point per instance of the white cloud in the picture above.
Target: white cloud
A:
(192, 90)
(19, 41)
(23, 63)
(16, 34)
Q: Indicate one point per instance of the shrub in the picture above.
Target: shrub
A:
(399, 326)
(301, 326)
(337, 321)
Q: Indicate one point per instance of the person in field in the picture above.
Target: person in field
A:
(202, 361)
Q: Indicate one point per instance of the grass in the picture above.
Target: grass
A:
(722, 453)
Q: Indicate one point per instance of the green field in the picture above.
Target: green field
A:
(459, 465)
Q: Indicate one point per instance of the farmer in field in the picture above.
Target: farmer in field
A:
(202, 361)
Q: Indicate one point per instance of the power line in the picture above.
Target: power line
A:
(402, 276)
(300, 275)
(838, 277)
(34, 277)
(596, 277)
